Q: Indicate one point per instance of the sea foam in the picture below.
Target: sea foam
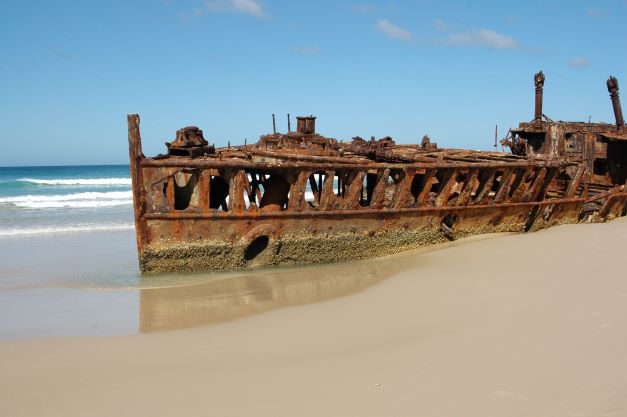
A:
(78, 181)
(75, 200)
(52, 230)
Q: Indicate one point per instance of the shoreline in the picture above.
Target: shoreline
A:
(69, 301)
(526, 324)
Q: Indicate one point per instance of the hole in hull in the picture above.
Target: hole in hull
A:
(449, 220)
(447, 225)
(255, 247)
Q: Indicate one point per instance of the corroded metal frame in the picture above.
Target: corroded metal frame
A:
(401, 197)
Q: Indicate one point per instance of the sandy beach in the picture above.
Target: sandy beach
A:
(518, 325)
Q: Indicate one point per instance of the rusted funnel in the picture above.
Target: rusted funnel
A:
(539, 80)
(612, 88)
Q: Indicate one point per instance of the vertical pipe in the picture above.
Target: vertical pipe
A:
(612, 88)
(539, 81)
(289, 125)
(273, 124)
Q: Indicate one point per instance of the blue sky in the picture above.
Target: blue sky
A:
(70, 71)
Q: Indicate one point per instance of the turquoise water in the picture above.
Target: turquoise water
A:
(64, 199)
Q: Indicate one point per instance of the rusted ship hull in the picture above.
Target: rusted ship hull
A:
(428, 203)
(299, 198)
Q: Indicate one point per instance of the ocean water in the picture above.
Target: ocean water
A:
(64, 200)
(66, 234)
(68, 264)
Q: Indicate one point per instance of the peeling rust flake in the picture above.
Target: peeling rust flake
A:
(300, 197)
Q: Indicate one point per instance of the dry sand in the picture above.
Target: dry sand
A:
(523, 325)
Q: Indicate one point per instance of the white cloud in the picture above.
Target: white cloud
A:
(441, 25)
(579, 62)
(392, 31)
(484, 37)
(249, 7)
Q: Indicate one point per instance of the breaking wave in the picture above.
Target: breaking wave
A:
(78, 181)
(78, 228)
(75, 200)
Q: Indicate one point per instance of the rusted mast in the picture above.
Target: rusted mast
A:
(136, 156)
(612, 88)
(539, 81)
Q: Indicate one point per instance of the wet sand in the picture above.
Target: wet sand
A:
(520, 325)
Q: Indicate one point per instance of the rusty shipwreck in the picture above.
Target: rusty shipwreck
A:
(299, 197)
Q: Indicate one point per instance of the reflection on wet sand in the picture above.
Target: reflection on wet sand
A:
(232, 297)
